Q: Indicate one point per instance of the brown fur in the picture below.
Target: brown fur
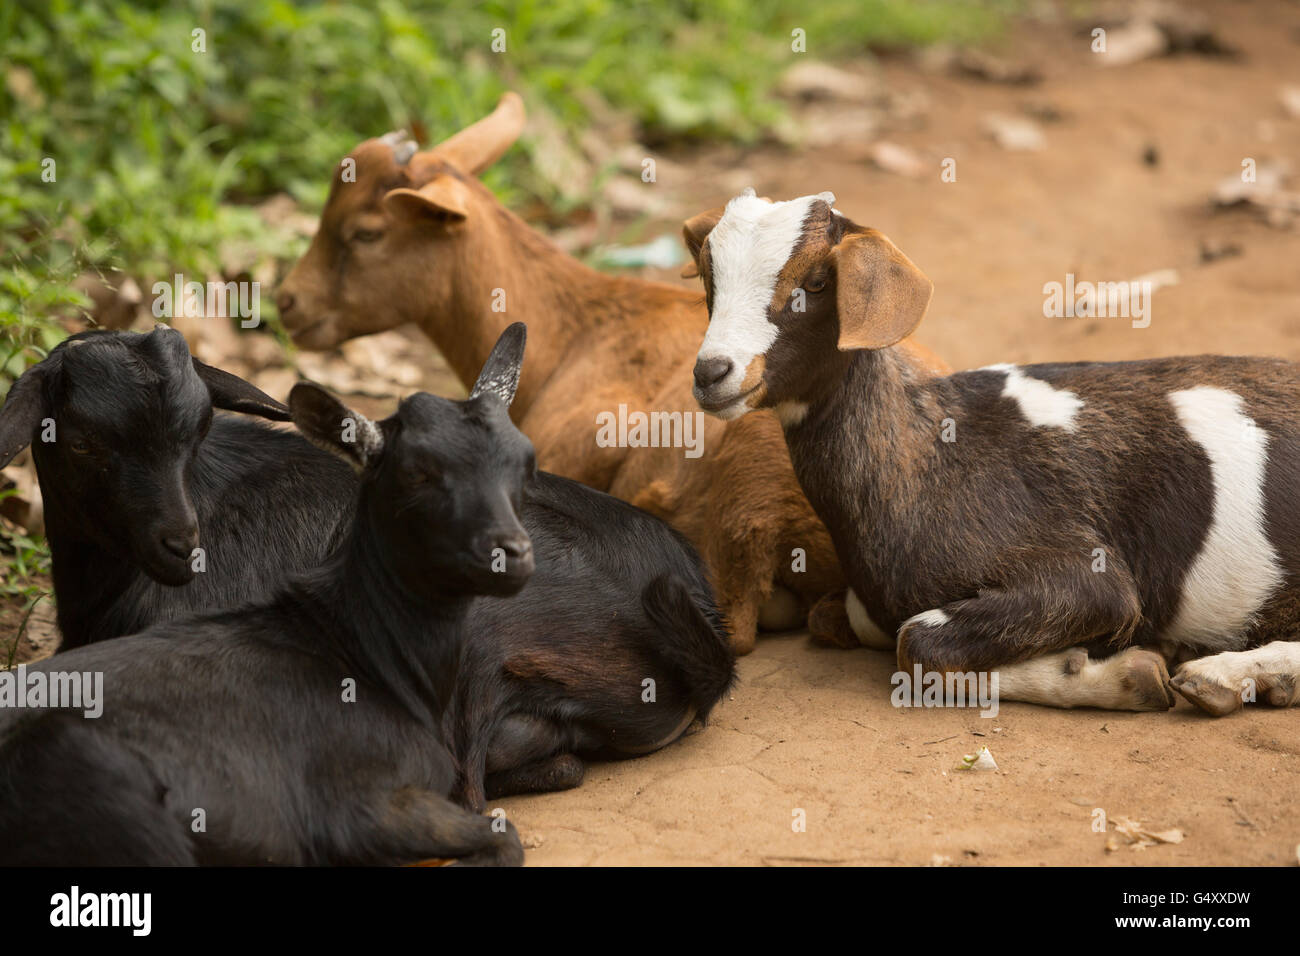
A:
(595, 341)
(999, 527)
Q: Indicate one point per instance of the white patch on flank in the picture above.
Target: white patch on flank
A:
(748, 247)
(1237, 569)
(791, 413)
(933, 618)
(868, 632)
(1041, 403)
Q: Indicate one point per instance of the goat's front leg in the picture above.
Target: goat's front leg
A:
(1029, 634)
(548, 775)
(415, 824)
(1223, 683)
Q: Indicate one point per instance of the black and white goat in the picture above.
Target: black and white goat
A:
(557, 674)
(1015, 518)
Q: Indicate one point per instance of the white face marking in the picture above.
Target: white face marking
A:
(1237, 569)
(1042, 404)
(933, 618)
(868, 632)
(748, 248)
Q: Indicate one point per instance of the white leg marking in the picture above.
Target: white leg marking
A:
(865, 628)
(933, 618)
(748, 248)
(1237, 569)
(1223, 682)
(1041, 403)
(1130, 680)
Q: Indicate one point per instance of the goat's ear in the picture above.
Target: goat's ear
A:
(234, 394)
(331, 425)
(500, 374)
(443, 196)
(880, 294)
(23, 410)
(694, 231)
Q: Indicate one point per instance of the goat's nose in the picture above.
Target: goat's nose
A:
(181, 544)
(284, 301)
(711, 371)
(515, 546)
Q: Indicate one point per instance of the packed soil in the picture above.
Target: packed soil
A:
(1120, 189)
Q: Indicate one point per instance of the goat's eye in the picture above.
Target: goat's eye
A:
(418, 476)
(814, 283)
(368, 235)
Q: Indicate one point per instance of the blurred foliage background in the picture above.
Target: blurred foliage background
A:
(160, 147)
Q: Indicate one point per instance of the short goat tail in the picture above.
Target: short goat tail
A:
(693, 639)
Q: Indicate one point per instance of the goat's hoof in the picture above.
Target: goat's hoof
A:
(504, 850)
(1279, 689)
(564, 773)
(828, 623)
(1206, 693)
(1146, 679)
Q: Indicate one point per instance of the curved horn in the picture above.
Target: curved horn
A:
(402, 145)
(481, 144)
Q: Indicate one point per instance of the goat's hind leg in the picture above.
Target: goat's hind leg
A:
(86, 800)
(411, 825)
(1224, 683)
(1029, 633)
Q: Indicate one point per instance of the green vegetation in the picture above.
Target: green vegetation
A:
(132, 144)
(158, 149)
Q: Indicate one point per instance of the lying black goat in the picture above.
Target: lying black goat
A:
(563, 670)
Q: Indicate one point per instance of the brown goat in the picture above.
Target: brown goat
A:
(411, 236)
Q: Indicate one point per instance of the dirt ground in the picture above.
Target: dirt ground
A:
(813, 729)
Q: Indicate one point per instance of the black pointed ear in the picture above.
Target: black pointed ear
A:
(234, 394)
(331, 425)
(23, 410)
(500, 374)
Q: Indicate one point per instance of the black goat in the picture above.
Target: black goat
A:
(619, 600)
(308, 729)
(117, 424)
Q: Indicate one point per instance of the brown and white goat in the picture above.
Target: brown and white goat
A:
(410, 236)
(1015, 518)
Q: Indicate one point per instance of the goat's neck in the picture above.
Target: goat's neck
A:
(866, 440)
(407, 645)
(556, 295)
(94, 576)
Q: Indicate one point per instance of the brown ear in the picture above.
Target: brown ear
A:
(880, 294)
(694, 231)
(444, 196)
(481, 144)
